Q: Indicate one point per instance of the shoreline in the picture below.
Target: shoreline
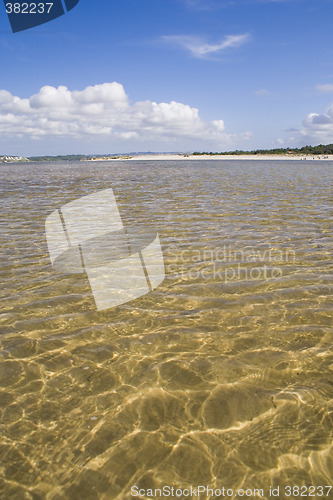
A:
(181, 157)
(186, 157)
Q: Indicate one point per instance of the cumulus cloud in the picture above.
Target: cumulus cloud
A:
(199, 47)
(317, 128)
(104, 111)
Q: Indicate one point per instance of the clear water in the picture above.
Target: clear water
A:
(215, 378)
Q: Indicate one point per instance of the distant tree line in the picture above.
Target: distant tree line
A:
(59, 158)
(306, 150)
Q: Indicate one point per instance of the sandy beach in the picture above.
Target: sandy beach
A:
(184, 157)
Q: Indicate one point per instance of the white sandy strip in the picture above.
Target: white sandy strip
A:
(180, 157)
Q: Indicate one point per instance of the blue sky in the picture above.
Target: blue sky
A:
(169, 75)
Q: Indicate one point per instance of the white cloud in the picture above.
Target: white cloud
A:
(198, 47)
(326, 87)
(104, 111)
(317, 128)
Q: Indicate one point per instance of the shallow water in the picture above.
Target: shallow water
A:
(222, 376)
